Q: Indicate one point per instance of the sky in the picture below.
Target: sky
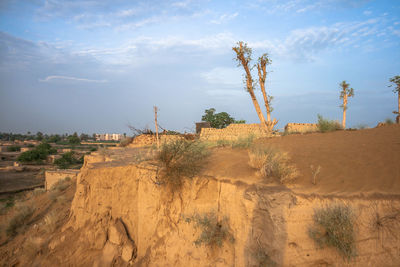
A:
(98, 66)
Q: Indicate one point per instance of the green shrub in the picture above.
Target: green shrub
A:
(325, 125)
(213, 231)
(38, 154)
(271, 162)
(243, 142)
(20, 218)
(67, 159)
(389, 121)
(333, 227)
(13, 148)
(179, 159)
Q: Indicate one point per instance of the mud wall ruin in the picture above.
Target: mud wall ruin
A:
(301, 127)
(233, 132)
(150, 139)
(264, 219)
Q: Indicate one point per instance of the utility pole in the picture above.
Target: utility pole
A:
(155, 121)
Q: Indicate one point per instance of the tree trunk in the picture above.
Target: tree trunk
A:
(258, 109)
(261, 78)
(398, 101)
(155, 121)
(344, 111)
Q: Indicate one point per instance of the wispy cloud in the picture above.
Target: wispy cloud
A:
(55, 77)
(224, 18)
(367, 12)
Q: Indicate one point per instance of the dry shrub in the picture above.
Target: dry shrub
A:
(50, 222)
(181, 158)
(334, 227)
(387, 225)
(315, 172)
(241, 142)
(38, 191)
(272, 162)
(61, 184)
(22, 214)
(325, 125)
(213, 231)
(126, 141)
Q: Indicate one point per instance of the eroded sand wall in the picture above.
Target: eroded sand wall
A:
(266, 219)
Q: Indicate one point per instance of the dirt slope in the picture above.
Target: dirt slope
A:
(363, 162)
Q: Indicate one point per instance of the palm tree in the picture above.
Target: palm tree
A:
(396, 81)
(344, 94)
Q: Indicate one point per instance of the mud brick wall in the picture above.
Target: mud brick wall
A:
(301, 127)
(233, 132)
(150, 139)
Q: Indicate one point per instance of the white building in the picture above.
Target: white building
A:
(109, 137)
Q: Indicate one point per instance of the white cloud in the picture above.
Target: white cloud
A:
(367, 12)
(127, 12)
(55, 77)
(224, 18)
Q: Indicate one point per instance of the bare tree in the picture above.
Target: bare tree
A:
(243, 56)
(345, 93)
(396, 81)
(263, 61)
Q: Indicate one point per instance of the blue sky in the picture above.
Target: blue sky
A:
(96, 66)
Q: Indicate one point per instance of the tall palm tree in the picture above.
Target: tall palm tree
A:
(345, 93)
(396, 81)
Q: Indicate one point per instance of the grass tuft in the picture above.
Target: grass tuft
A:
(180, 159)
(38, 191)
(126, 141)
(325, 125)
(272, 162)
(61, 184)
(389, 121)
(334, 227)
(20, 218)
(214, 231)
(50, 222)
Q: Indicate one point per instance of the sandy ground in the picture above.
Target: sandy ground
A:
(364, 162)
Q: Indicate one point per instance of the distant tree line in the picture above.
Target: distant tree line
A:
(52, 138)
